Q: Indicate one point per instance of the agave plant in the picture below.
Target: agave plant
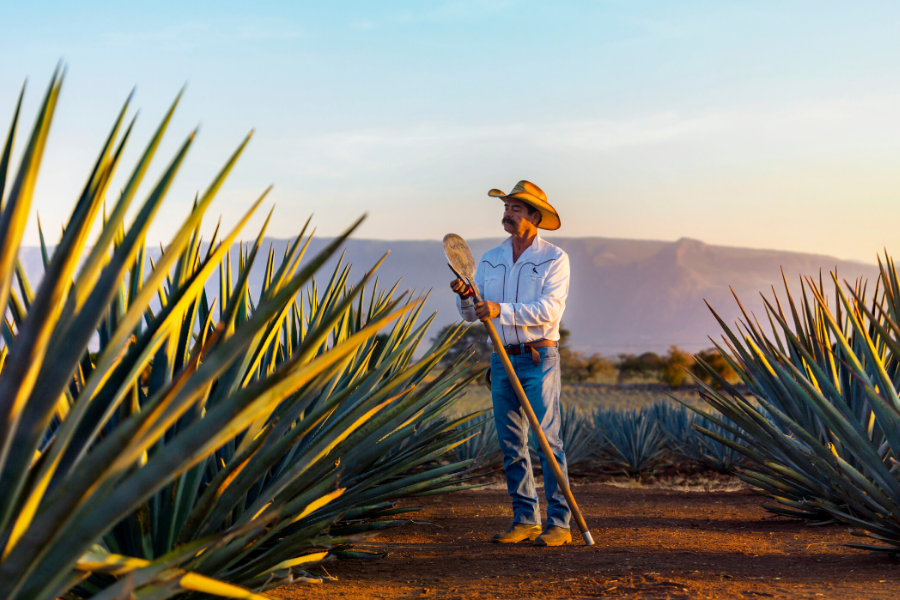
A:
(674, 421)
(823, 436)
(579, 441)
(209, 443)
(686, 443)
(630, 441)
(482, 446)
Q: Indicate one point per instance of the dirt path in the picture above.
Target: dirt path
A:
(651, 543)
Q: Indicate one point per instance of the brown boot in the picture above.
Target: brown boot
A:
(516, 533)
(553, 536)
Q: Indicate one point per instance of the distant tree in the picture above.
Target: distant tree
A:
(676, 367)
(628, 365)
(651, 361)
(578, 367)
(564, 335)
(644, 365)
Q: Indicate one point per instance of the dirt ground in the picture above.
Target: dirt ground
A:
(650, 543)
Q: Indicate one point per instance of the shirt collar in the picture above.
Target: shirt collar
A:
(507, 248)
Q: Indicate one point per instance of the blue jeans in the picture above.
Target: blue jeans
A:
(541, 384)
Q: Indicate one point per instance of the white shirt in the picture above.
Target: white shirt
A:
(531, 292)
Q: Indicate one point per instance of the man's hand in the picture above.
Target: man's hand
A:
(487, 310)
(459, 287)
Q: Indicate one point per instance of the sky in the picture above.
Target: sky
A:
(754, 124)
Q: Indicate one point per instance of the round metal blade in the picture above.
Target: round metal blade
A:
(459, 256)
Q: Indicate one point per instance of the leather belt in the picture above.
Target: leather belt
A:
(530, 348)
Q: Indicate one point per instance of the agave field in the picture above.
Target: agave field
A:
(628, 430)
(590, 396)
(630, 442)
(167, 430)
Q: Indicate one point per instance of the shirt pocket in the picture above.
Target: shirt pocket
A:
(531, 287)
(493, 289)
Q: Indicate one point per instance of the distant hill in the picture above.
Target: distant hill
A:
(625, 295)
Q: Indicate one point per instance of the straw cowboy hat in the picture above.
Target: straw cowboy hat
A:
(535, 197)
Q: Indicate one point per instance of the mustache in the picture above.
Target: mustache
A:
(505, 220)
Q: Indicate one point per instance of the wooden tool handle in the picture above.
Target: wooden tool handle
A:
(536, 427)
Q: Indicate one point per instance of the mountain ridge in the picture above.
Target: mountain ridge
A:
(625, 295)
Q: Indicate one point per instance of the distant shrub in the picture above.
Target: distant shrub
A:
(576, 367)
(676, 367)
(579, 367)
(644, 365)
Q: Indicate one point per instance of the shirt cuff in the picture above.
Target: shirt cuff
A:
(508, 314)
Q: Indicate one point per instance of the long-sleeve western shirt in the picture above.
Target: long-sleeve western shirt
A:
(531, 292)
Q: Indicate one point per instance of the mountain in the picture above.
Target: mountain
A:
(625, 295)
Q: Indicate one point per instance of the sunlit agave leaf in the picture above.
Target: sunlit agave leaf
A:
(99, 561)
(17, 379)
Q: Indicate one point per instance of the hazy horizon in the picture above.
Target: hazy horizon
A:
(550, 236)
(625, 295)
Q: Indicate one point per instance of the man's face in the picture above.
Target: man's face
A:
(516, 220)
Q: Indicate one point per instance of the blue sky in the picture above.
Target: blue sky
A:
(756, 124)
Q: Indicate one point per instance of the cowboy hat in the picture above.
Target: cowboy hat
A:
(535, 197)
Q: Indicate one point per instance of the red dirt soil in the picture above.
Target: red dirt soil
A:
(650, 543)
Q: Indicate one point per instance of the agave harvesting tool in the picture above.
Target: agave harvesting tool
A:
(462, 264)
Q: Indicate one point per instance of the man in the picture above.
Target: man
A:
(524, 283)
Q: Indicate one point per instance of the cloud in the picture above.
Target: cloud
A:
(643, 131)
(739, 132)
(182, 34)
(191, 34)
(586, 135)
(457, 10)
(269, 31)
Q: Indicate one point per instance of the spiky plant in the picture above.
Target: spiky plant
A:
(822, 430)
(576, 431)
(630, 441)
(578, 437)
(482, 446)
(687, 444)
(260, 437)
